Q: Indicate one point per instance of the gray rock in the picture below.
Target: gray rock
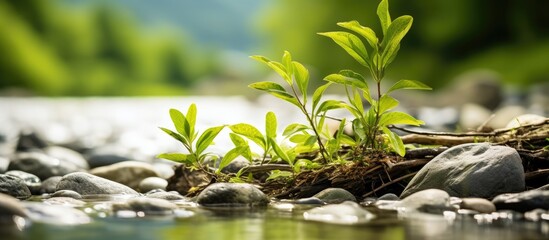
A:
(345, 213)
(49, 185)
(429, 198)
(503, 116)
(389, 197)
(65, 201)
(4, 163)
(87, 184)
(472, 116)
(106, 155)
(228, 194)
(166, 195)
(66, 155)
(525, 119)
(129, 173)
(524, 201)
(56, 214)
(335, 195)
(32, 181)
(10, 206)
(480, 205)
(544, 187)
(235, 165)
(309, 201)
(152, 183)
(146, 205)
(471, 170)
(14, 187)
(66, 194)
(41, 165)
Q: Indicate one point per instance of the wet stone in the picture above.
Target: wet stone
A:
(87, 184)
(49, 185)
(309, 201)
(106, 155)
(229, 194)
(429, 198)
(480, 205)
(335, 195)
(345, 213)
(146, 205)
(65, 201)
(152, 183)
(129, 173)
(471, 170)
(56, 214)
(41, 165)
(389, 197)
(67, 194)
(166, 195)
(14, 187)
(10, 206)
(524, 201)
(32, 181)
(66, 155)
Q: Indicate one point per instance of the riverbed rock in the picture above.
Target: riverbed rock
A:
(10, 206)
(88, 184)
(480, 205)
(106, 155)
(65, 201)
(228, 194)
(152, 183)
(525, 119)
(41, 165)
(235, 165)
(389, 197)
(524, 201)
(471, 170)
(428, 198)
(32, 181)
(56, 214)
(67, 194)
(166, 195)
(66, 155)
(4, 163)
(344, 213)
(335, 195)
(14, 187)
(155, 206)
(129, 173)
(49, 185)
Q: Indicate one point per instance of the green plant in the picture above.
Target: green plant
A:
(187, 135)
(297, 78)
(372, 127)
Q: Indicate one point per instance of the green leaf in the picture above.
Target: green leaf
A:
(393, 118)
(180, 122)
(270, 125)
(408, 84)
(287, 62)
(276, 90)
(267, 86)
(175, 135)
(348, 77)
(176, 157)
(387, 103)
(395, 142)
(317, 95)
(357, 102)
(238, 141)
(329, 105)
(302, 78)
(279, 152)
(299, 138)
(351, 44)
(384, 16)
(207, 138)
(276, 66)
(365, 32)
(191, 121)
(358, 128)
(294, 128)
(249, 132)
(397, 30)
(230, 156)
(311, 140)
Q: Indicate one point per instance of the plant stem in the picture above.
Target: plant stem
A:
(323, 151)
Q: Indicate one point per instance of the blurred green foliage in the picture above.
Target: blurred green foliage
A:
(54, 50)
(448, 37)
